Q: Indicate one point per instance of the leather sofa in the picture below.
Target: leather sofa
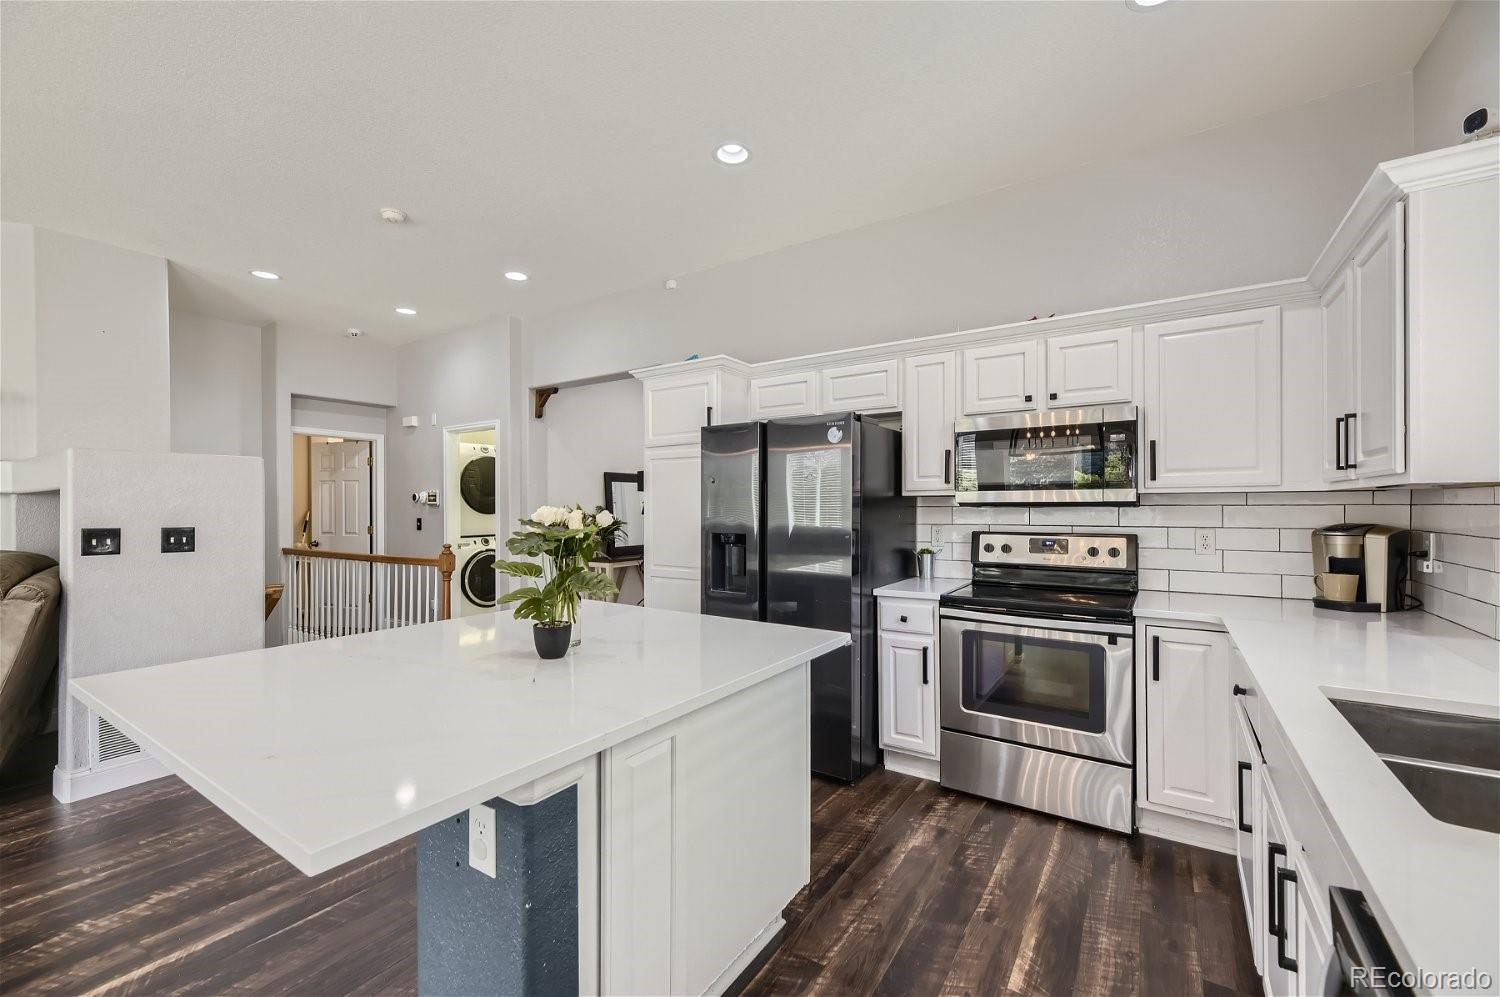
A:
(30, 592)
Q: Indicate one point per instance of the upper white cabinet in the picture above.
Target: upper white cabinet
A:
(784, 395)
(1089, 368)
(1364, 356)
(862, 387)
(1189, 722)
(1000, 378)
(1212, 401)
(679, 405)
(930, 389)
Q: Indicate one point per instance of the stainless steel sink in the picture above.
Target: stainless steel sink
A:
(1450, 763)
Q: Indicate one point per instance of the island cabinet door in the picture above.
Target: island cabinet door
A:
(908, 694)
(706, 837)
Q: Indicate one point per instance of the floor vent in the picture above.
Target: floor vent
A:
(110, 744)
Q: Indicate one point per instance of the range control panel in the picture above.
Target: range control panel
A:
(1055, 550)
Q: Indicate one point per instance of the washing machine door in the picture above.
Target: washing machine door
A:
(476, 485)
(478, 578)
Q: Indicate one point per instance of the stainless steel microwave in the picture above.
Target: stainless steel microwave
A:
(1063, 456)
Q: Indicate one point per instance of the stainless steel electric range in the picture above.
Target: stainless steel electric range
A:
(1037, 665)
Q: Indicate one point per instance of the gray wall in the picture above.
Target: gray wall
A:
(1239, 205)
(460, 378)
(144, 607)
(1459, 72)
(216, 387)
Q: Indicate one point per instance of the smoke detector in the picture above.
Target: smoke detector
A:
(395, 216)
(669, 284)
(354, 333)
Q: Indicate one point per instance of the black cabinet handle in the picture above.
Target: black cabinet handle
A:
(1052, 396)
(1338, 444)
(947, 467)
(1273, 922)
(903, 619)
(1283, 876)
(924, 666)
(1155, 658)
(1239, 690)
(1239, 789)
(1153, 460)
(710, 421)
(1349, 462)
(1028, 398)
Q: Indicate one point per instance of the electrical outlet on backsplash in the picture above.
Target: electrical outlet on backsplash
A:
(1261, 541)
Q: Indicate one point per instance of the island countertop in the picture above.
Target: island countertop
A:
(330, 749)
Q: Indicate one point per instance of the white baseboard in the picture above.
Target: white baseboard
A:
(1184, 830)
(70, 786)
(922, 768)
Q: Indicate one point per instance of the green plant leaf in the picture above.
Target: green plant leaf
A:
(519, 569)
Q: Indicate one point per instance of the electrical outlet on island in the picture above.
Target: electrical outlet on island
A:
(482, 838)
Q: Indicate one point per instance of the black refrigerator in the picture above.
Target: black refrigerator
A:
(802, 520)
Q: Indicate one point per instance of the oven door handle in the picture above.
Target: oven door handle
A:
(1001, 623)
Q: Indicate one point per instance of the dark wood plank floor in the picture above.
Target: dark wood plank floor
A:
(915, 891)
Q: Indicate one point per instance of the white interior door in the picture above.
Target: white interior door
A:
(341, 496)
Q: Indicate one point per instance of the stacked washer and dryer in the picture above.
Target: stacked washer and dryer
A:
(475, 544)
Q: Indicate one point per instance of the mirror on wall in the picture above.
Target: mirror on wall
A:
(625, 497)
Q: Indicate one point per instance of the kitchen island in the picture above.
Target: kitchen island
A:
(644, 802)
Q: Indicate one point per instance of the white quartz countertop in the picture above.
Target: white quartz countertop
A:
(330, 749)
(1436, 886)
(922, 588)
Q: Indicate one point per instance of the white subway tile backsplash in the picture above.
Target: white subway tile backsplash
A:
(1264, 562)
(1148, 536)
(991, 515)
(932, 515)
(1225, 583)
(1470, 520)
(1181, 536)
(1237, 538)
(1075, 515)
(1462, 526)
(1184, 559)
(1284, 515)
(1475, 552)
(1173, 515)
(1310, 498)
(1152, 579)
(1381, 515)
(1393, 496)
(1466, 612)
(1297, 587)
(1474, 495)
(1296, 539)
(1193, 498)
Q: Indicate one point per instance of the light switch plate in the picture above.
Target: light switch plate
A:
(482, 838)
(179, 539)
(97, 541)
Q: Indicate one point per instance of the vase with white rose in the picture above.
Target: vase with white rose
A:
(559, 542)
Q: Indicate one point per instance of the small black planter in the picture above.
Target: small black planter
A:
(551, 640)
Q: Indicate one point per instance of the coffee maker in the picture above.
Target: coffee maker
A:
(1359, 568)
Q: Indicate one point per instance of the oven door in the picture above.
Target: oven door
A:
(1039, 683)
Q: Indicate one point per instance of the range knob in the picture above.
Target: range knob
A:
(1093, 552)
(1005, 548)
(989, 548)
(1114, 552)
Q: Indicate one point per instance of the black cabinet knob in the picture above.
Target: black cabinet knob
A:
(1052, 396)
(1028, 398)
(903, 619)
(1240, 690)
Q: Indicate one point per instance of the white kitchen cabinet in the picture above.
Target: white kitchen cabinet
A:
(1337, 308)
(1000, 378)
(1189, 732)
(1249, 832)
(1318, 972)
(930, 406)
(1377, 436)
(679, 405)
(1090, 368)
(908, 694)
(1281, 927)
(861, 387)
(1212, 401)
(671, 532)
(780, 395)
(729, 780)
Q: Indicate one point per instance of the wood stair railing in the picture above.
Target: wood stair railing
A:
(333, 594)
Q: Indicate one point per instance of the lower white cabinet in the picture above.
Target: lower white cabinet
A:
(671, 530)
(908, 694)
(704, 829)
(1189, 732)
(1280, 926)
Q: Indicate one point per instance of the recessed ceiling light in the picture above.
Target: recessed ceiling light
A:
(406, 311)
(515, 275)
(1144, 4)
(354, 333)
(731, 154)
(265, 275)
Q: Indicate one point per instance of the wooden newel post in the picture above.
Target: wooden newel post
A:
(445, 568)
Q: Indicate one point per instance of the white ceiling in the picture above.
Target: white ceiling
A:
(574, 141)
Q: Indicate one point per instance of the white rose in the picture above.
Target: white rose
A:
(574, 520)
(604, 518)
(546, 515)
